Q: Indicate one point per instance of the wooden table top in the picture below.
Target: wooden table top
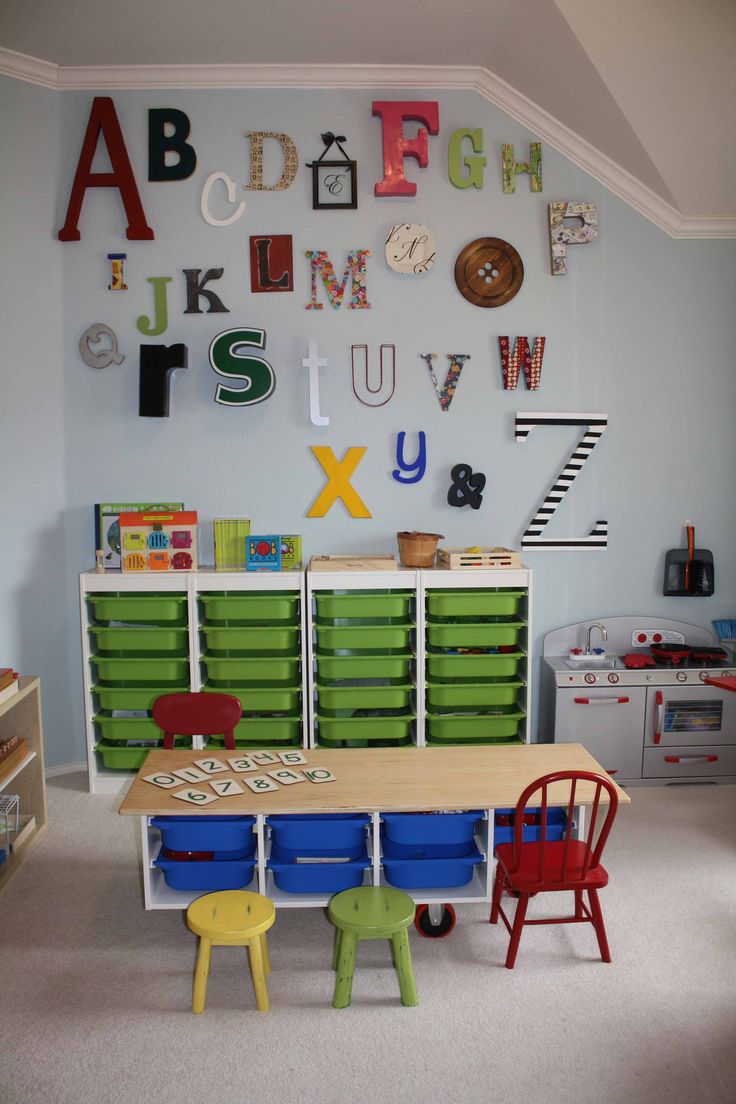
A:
(370, 780)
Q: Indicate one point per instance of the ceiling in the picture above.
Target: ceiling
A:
(640, 93)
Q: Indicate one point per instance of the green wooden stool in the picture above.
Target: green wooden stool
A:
(371, 912)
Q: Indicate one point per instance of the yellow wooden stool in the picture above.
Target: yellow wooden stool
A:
(231, 918)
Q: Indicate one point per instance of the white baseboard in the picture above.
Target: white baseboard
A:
(66, 768)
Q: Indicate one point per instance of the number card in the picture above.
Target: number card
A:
(292, 757)
(260, 783)
(226, 787)
(320, 774)
(165, 781)
(263, 757)
(287, 777)
(242, 763)
(190, 774)
(195, 797)
(211, 766)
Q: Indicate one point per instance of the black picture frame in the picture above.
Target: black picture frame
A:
(334, 186)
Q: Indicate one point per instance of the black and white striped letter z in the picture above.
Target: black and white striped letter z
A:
(595, 427)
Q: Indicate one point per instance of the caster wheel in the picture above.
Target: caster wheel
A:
(431, 929)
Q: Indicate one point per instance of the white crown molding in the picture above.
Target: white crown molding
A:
(543, 125)
(31, 69)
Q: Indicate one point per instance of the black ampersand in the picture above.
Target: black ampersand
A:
(466, 488)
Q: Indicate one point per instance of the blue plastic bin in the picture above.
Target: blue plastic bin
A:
(217, 874)
(294, 877)
(504, 832)
(430, 835)
(312, 834)
(444, 873)
(207, 833)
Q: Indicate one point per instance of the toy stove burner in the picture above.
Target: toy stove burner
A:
(677, 655)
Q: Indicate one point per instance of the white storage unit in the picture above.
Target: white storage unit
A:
(404, 652)
(159, 895)
(378, 688)
(164, 648)
(364, 669)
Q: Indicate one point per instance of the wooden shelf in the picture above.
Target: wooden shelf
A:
(22, 772)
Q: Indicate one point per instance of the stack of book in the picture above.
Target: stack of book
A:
(8, 683)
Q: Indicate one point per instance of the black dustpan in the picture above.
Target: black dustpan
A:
(689, 572)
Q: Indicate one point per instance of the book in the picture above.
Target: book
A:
(7, 674)
(107, 529)
(9, 691)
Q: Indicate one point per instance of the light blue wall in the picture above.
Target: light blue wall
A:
(642, 328)
(37, 623)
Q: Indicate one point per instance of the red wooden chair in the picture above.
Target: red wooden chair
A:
(197, 715)
(541, 866)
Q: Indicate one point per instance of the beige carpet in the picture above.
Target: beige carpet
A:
(95, 992)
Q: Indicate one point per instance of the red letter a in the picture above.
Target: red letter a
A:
(103, 118)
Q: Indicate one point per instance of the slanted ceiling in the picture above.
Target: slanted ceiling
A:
(639, 93)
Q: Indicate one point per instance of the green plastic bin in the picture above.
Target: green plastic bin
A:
(123, 757)
(478, 634)
(133, 697)
(501, 724)
(471, 695)
(365, 731)
(121, 729)
(262, 699)
(473, 603)
(136, 671)
(363, 638)
(120, 757)
(139, 608)
(444, 666)
(256, 732)
(237, 607)
(390, 696)
(237, 671)
(364, 666)
(151, 638)
(363, 604)
(262, 639)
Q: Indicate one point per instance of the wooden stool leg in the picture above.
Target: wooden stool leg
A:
(345, 970)
(201, 973)
(336, 949)
(256, 972)
(402, 961)
(264, 953)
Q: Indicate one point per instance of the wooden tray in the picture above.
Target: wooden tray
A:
(455, 558)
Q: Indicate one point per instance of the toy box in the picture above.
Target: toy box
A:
(158, 541)
(107, 527)
(230, 535)
(291, 552)
(263, 553)
(273, 552)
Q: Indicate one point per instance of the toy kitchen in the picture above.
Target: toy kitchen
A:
(637, 693)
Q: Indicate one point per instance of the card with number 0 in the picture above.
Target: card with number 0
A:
(165, 781)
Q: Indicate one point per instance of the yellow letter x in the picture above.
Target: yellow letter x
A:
(338, 474)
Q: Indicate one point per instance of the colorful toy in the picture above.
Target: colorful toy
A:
(155, 541)
(107, 527)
